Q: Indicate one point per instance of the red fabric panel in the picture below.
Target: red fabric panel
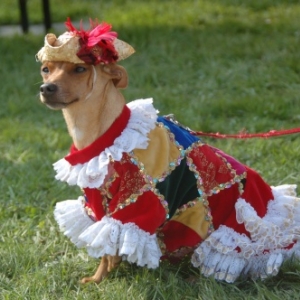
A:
(212, 169)
(177, 235)
(145, 210)
(223, 209)
(129, 181)
(95, 202)
(257, 193)
(147, 213)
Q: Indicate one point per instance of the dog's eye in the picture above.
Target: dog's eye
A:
(80, 69)
(45, 70)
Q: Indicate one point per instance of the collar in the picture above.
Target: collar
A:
(89, 166)
(106, 140)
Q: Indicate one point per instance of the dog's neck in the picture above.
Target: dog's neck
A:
(89, 119)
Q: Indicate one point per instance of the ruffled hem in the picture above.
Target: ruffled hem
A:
(226, 254)
(72, 219)
(92, 173)
(108, 236)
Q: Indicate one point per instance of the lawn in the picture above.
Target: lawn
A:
(219, 66)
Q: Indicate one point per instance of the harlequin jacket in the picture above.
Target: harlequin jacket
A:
(152, 191)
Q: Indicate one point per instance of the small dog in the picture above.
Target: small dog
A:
(67, 87)
(152, 190)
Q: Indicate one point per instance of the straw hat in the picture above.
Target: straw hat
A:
(97, 45)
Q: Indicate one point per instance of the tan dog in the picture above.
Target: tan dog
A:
(152, 189)
(89, 99)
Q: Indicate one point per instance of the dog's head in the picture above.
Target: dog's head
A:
(66, 83)
(81, 64)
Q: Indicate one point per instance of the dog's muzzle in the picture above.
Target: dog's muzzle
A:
(48, 89)
(50, 97)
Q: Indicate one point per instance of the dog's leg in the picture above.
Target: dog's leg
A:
(107, 264)
(113, 262)
(100, 273)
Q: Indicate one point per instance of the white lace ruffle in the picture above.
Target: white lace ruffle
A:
(108, 236)
(72, 219)
(263, 254)
(92, 173)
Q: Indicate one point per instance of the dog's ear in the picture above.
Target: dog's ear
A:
(118, 75)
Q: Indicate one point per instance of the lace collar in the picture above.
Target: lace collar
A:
(88, 167)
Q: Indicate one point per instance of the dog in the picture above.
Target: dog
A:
(152, 190)
(66, 87)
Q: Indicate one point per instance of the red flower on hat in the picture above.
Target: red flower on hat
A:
(96, 44)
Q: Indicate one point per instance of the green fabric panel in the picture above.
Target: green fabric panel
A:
(179, 187)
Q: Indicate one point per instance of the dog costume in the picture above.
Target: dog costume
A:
(152, 190)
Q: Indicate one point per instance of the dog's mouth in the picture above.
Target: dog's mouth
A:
(57, 104)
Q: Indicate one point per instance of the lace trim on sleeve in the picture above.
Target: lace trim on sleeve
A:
(92, 173)
(110, 236)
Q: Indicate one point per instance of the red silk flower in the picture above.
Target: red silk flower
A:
(96, 44)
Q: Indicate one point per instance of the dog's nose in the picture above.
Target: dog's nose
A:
(48, 89)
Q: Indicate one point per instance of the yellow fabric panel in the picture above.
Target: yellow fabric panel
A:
(194, 218)
(161, 151)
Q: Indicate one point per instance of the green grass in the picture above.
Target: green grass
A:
(217, 65)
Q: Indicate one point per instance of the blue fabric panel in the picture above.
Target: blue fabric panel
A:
(182, 136)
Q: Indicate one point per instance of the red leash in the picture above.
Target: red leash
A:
(271, 133)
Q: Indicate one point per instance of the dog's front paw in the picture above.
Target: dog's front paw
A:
(107, 264)
(91, 279)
